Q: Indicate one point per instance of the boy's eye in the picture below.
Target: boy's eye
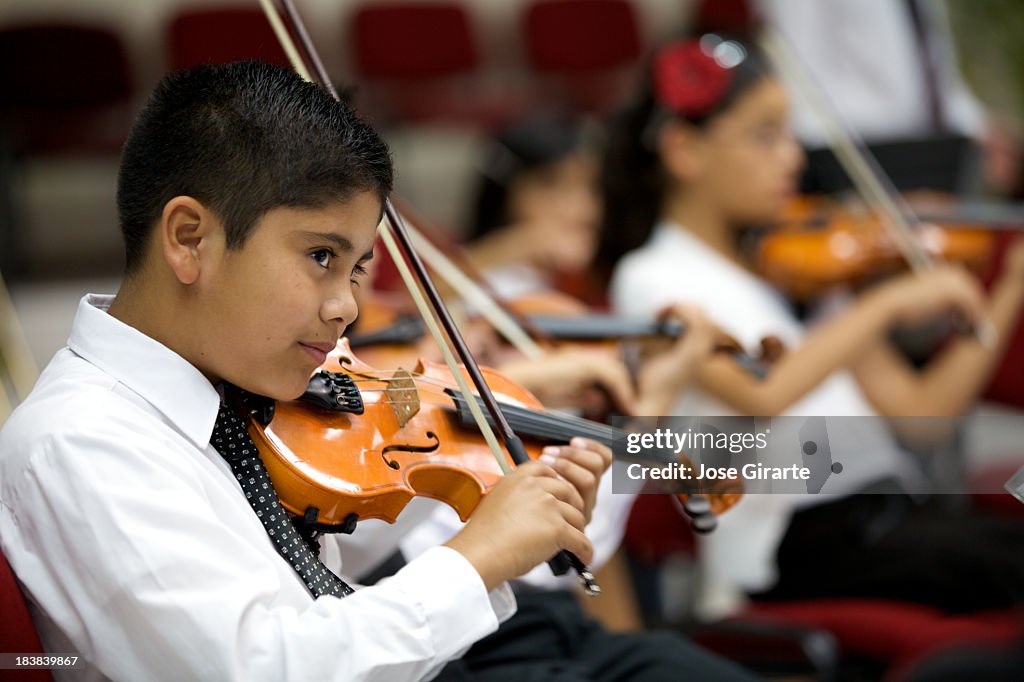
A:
(358, 272)
(322, 257)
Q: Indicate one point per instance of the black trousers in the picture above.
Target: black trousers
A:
(889, 546)
(551, 639)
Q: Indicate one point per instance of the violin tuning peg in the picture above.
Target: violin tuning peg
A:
(697, 506)
(704, 524)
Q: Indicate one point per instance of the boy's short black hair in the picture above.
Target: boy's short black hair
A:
(242, 138)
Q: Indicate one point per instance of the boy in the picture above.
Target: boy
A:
(248, 201)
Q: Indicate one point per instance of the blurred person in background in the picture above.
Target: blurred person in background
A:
(537, 209)
(890, 68)
(703, 153)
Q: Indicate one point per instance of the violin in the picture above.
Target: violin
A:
(565, 319)
(397, 240)
(361, 443)
(820, 244)
(891, 236)
(389, 333)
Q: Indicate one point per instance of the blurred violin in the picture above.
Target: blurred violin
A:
(907, 233)
(361, 443)
(390, 333)
(820, 243)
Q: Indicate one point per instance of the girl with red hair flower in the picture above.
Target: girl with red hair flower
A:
(703, 154)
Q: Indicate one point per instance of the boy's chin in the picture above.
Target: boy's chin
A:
(281, 391)
(292, 392)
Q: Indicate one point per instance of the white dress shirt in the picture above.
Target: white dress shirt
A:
(673, 266)
(138, 552)
(864, 55)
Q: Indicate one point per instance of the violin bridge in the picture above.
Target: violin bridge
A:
(402, 396)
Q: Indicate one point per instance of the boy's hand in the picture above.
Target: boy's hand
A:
(582, 463)
(535, 512)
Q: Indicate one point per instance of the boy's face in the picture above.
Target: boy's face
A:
(274, 308)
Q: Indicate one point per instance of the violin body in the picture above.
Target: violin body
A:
(819, 245)
(407, 442)
(411, 436)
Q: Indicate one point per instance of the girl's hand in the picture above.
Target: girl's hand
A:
(562, 378)
(918, 296)
(666, 372)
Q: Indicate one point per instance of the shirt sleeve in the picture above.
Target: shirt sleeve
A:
(125, 552)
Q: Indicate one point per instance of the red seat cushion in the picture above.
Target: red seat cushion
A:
(1007, 384)
(889, 630)
(43, 110)
(581, 35)
(220, 35)
(586, 52)
(414, 40)
(656, 529)
(17, 631)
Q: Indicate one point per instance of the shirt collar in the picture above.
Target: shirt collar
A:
(671, 235)
(160, 376)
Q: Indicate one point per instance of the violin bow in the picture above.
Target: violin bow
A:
(511, 325)
(872, 183)
(463, 277)
(397, 241)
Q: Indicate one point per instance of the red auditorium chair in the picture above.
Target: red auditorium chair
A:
(65, 89)
(217, 35)
(17, 632)
(1007, 385)
(586, 51)
(418, 62)
(817, 636)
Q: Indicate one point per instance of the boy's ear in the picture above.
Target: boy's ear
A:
(679, 146)
(185, 231)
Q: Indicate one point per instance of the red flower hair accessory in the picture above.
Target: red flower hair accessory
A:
(688, 79)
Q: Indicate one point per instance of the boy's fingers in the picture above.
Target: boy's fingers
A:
(562, 490)
(582, 478)
(602, 450)
(573, 540)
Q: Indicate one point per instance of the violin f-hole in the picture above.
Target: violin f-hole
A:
(408, 447)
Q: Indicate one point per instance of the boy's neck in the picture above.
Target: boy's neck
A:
(138, 305)
(701, 219)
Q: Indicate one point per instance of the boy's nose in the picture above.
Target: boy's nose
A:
(340, 308)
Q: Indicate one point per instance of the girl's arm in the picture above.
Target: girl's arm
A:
(953, 379)
(841, 341)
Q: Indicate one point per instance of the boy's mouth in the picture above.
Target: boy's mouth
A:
(318, 351)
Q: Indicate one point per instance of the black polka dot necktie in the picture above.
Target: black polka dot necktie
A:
(232, 441)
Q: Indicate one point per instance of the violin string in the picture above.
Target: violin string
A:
(554, 424)
(541, 424)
